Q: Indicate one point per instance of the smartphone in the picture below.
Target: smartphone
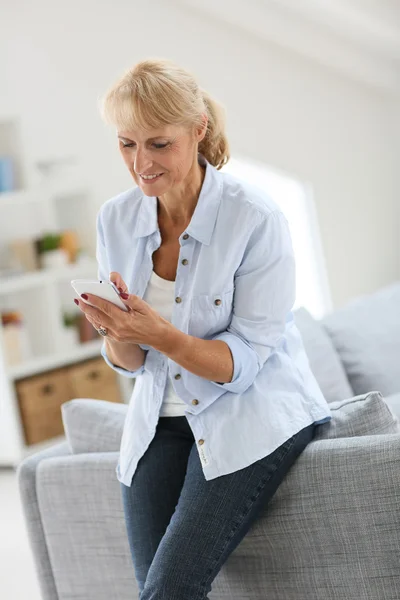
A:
(104, 289)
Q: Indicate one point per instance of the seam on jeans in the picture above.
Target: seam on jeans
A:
(286, 447)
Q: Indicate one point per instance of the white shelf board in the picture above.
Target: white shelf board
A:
(16, 283)
(52, 190)
(45, 363)
(21, 197)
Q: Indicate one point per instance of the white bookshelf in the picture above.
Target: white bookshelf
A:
(42, 296)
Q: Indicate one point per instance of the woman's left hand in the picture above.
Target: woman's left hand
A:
(140, 325)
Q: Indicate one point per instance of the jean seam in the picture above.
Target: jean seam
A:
(253, 498)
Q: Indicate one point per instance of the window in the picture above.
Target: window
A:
(295, 199)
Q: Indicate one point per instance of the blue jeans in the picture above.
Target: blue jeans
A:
(182, 528)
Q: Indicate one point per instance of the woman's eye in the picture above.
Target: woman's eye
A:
(157, 146)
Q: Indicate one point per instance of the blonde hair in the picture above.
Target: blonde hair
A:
(157, 92)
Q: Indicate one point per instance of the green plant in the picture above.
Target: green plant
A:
(48, 242)
(71, 319)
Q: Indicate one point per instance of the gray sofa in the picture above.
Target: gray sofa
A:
(332, 530)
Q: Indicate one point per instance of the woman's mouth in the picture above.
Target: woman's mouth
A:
(151, 178)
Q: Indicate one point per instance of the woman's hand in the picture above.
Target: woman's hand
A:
(141, 325)
(117, 280)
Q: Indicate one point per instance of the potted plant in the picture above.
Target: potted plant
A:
(50, 252)
(71, 331)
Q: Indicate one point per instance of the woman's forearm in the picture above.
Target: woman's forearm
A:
(210, 359)
(128, 356)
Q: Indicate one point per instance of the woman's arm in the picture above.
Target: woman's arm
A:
(126, 356)
(210, 359)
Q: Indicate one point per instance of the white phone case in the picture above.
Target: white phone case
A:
(103, 289)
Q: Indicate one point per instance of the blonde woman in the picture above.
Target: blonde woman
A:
(224, 400)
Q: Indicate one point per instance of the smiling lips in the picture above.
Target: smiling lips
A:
(150, 178)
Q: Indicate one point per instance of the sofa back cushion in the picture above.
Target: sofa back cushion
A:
(97, 425)
(322, 356)
(366, 414)
(93, 425)
(366, 335)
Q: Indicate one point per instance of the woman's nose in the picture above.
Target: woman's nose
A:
(142, 161)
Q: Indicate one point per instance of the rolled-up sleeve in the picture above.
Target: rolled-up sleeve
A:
(120, 370)
(265, 292)
(103, 274)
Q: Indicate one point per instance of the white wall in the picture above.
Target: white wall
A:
(281, 109)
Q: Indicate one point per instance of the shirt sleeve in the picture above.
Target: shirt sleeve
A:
(265, 292)
(120, 370)
(103, 274)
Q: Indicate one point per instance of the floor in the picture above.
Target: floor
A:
(18, 579)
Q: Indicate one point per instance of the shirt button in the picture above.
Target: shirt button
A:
(177, 376)
(185, 261)
(178, 300)
(201, 442)
(185, 237)
(218, 302)
(195, 402)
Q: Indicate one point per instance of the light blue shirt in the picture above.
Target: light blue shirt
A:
(235, 282)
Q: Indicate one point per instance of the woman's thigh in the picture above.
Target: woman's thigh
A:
(211, 519)
(155, 489)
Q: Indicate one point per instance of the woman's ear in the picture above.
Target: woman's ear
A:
(202, 129)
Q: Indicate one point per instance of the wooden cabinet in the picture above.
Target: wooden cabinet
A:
(40, 397)
(94, 379)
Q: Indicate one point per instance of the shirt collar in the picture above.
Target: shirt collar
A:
(203, 219)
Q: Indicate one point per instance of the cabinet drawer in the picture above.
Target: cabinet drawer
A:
(94, 379)
(40, 399)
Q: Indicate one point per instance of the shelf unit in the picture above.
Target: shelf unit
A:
(42, 297)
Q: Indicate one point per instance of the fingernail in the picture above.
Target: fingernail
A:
(84, 296)
(124, 296)
(120, 290)
(76, 301)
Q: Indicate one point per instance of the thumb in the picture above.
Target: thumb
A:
(117, 280)
(134, 302)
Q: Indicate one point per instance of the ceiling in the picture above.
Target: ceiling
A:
(359, 38)
(385, 11)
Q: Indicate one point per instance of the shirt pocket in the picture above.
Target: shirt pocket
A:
(210, 314)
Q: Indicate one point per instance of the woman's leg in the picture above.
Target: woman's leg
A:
(155, 489)
(211, 519)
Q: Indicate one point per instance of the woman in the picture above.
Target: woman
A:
(224, 400)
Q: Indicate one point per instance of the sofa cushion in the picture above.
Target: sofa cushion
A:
(366, 335)
(93, 425)
(366, 414)
(97, 425)
(322, 356)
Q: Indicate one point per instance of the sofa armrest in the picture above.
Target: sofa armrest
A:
(26, 477)
(81, 504)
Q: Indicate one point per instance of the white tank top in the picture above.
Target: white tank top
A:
(160, 294)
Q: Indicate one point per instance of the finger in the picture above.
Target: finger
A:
(109, 309)
(134, 303)
(95, 313)
(118, 281)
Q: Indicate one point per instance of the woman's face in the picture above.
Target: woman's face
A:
(159, 159)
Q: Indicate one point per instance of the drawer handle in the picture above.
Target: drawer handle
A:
(94, 375)
(48, 389)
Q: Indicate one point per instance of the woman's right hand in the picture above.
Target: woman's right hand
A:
(117, 280)
(127, 356)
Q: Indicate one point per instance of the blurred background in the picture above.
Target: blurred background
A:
(311, 91)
